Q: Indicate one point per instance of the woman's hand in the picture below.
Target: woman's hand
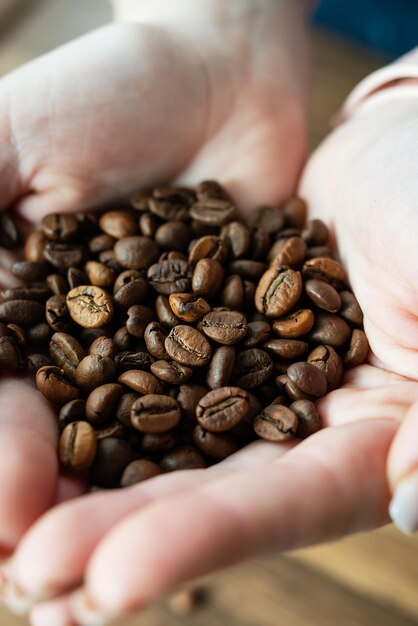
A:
(124, 108)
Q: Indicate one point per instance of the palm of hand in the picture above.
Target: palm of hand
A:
(323, 494)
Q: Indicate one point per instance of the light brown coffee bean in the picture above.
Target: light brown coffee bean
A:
(94, 371)
(141, 382)
(225, 327)
(294, 325)
(66, 353)
(290, 251)
(55, 386)
(222, 409)
(286, 348)
(325, 269)
(278, 291)
(330, 363)
(188, 346)
(276, 423)
(208, 247)
(90, 307)
(77, 446)
(188, 306)
(207, 278)
(155, 413)
(358, 349)
(118, 224)
(101, 403)
(99, 274)
(323, 295)
(309, 421)
(171, 372)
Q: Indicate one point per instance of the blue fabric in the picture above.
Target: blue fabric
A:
(390, 26)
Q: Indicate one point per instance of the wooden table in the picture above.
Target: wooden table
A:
(368, 580)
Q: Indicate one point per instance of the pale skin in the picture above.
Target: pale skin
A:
(131, 105)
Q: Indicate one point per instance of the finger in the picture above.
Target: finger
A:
(28, 460)
(45, 565)
(53, 613)
(403, 473)
(368, 393)
(315, 493)
(69, 487)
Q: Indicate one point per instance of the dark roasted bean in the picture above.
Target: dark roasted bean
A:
(184, 458)
(155, 413)
(138, 471)
(188, 346)
(330, 363)
(253, 368)
(276, 423)
(77, 446)
(221, 367)
(136, 253)
(309, 421)
(222, 409)
(294, 325)
(225, 327)
(168, 277)
(308, 378)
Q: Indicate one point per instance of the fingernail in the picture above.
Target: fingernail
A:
(85, 611)
(12, 595)
(403, 508)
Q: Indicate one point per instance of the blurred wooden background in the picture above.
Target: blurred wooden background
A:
(367, 580)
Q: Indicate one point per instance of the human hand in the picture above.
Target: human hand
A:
(121, 109)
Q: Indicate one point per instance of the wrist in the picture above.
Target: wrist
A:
(198, 10)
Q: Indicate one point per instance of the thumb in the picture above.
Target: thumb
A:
(403, 473)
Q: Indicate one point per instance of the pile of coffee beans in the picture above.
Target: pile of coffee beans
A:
(169, 333)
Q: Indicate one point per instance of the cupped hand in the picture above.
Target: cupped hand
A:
(121, 109)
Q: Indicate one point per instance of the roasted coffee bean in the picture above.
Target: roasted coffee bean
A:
(141, 382)
(134, 292)
(269, 218)
(171, 372)
(308, 378)
(101, 403)
(221, 367)
(89, 335)
(330, 329)
(76, 277)
(172, 256)
(290, 251)
(108, 258)
(113, 430)
(124, 408)
(222, 409)
(140, 201)
(278, 291)
(37, 361)
(154, 338)
(257, 333)
(247, 269)
(139, 471)
(73, 411)
(123, 339)
(38, 335)
(57, 284)
(216, 445)
(160, 442)
(139, 316)
(291, 389)
(358, 349)
(148, 225)
(207, 278)
(249, 295)
(232, 295)
(87, 225)
(136, 253)
(77, 446)
(225, 327)
(316, 233)
(326, 269)
(126, 277)
(112, 458)
(30, 272)
(18, 333)
(286, 348)
(164, 312)
(318, 251)
(260, 245)
(188, 346)
(126, 361)
(60, 227)
(213, 211)
(294, 325)
(101, 243)
(39, 294)
(99, 274)
(330, 363)
(155, 413)
(64, 255)
(9, 233)
(55, 386)
(237, 237)
(188, 307)
(350, 309)
(90, 307)
(94, 371)
(276, 423)
(173, 236)
(34, 247)
(57, 314)
(66, 353)
(171, 203)
(295, 212)
(184, 458)
(104, 346)
(188, 398)
(210, 190)
(12, 356)
(168, 277)
(323, 295)
(208, 247)
(119, 224)
(253, 368)
(23, 312)
(309, 421)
